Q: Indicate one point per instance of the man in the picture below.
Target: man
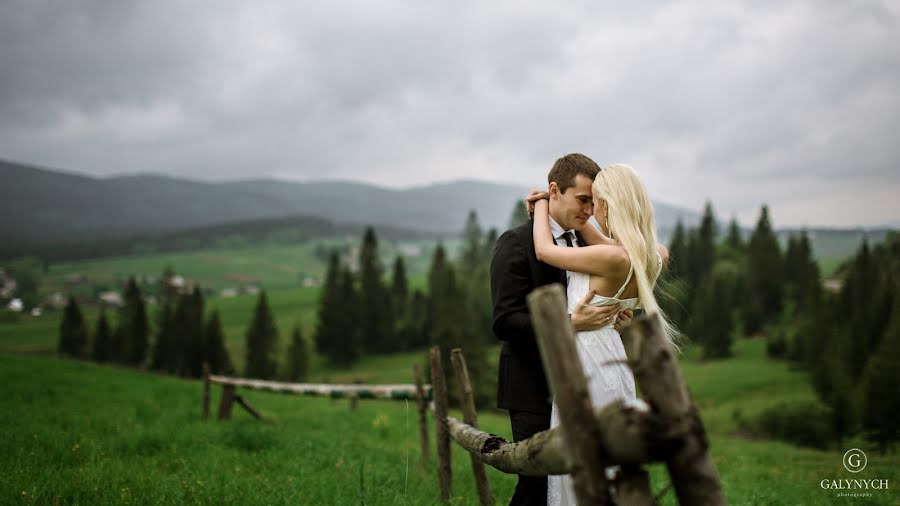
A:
(515, 272)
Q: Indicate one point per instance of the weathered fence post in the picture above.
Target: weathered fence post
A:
(439, 388)
(246, 405)
(423, 416)
(354, 399)
(470, 417)
(656, 372)
(570, 390)
(205, 391)
(225, 403)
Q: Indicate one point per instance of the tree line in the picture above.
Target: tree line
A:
(184, 337)
(719, 289)
(363, 311)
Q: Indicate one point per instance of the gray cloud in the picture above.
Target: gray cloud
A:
(793, 104)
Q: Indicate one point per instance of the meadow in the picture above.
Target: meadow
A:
(81, 433)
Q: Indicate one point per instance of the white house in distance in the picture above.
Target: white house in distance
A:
(111, 299)
(16, 305)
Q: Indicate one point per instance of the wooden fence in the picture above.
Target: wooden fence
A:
(664, 427)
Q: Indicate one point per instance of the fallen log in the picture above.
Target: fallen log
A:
(630, 434)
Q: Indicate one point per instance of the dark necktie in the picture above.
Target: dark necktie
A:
(568, 238)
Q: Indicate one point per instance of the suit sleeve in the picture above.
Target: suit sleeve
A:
(510, 283)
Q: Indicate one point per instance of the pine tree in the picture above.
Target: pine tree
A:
(216, 353)
(177, 357)
(880, 389)
(162, 357)
(331, 309)
(765, 276)
(452, 324)
(488, 246)
(349, 344)
(712, 315)
(261, 340)
(196, 341)
(702, 249)
(399, 290)
(102, 339)
(374, 308)
(72, 332)
(861, 301)
(519, 215)
(133, 328)
(472, 250)
(733, 238)
(675, 295)
(414, 333)
(298, 358)
(678, 253)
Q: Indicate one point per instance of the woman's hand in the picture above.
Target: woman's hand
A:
(533, 197)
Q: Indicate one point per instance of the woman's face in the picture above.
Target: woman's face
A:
(600, 210)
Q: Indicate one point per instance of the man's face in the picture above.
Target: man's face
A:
(573, 208)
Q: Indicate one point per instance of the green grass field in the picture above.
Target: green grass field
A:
(81, 433)
(271, 266)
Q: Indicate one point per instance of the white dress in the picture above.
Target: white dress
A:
(606, 382)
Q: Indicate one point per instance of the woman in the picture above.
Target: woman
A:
(621, 268)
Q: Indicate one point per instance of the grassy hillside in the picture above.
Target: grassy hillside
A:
(76, 432)
(270, 266)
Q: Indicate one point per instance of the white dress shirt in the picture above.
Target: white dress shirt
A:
(558, 232)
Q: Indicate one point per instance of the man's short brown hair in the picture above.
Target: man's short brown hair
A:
(566, 168)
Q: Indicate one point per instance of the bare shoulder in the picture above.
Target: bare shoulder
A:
(613, 256)
(663, 253)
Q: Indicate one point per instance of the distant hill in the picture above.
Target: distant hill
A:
(44, 207)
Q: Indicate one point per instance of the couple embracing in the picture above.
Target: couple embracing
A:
(607, 275)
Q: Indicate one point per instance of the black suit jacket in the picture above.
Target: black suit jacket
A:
(515, 272)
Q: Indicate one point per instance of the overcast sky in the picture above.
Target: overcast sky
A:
(796, 104)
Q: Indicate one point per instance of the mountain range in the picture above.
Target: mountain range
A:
(45, 207)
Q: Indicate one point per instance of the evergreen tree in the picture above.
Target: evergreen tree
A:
(519, 215)
(195, 336)
(712, 315)
(861, 300)
(880, 387)
(72, 332)
(331, 309)
(349, 337)
(452, 324)
(733, 238)
(765, 276)
(399, 289)
(472, 251)
(164, 356)
(801, 273)
(298, 358)
(177, 358)
(488, 246)
(216, 353)
(702, 249)
(261, 340)
(675, 295)
(133, 325)
(102, 339)
(414, 333)
(374, 307)
(678, 253)
(474, 279)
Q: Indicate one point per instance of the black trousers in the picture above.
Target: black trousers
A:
(530, 490)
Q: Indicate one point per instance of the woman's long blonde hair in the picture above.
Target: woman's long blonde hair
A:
(630, 221)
